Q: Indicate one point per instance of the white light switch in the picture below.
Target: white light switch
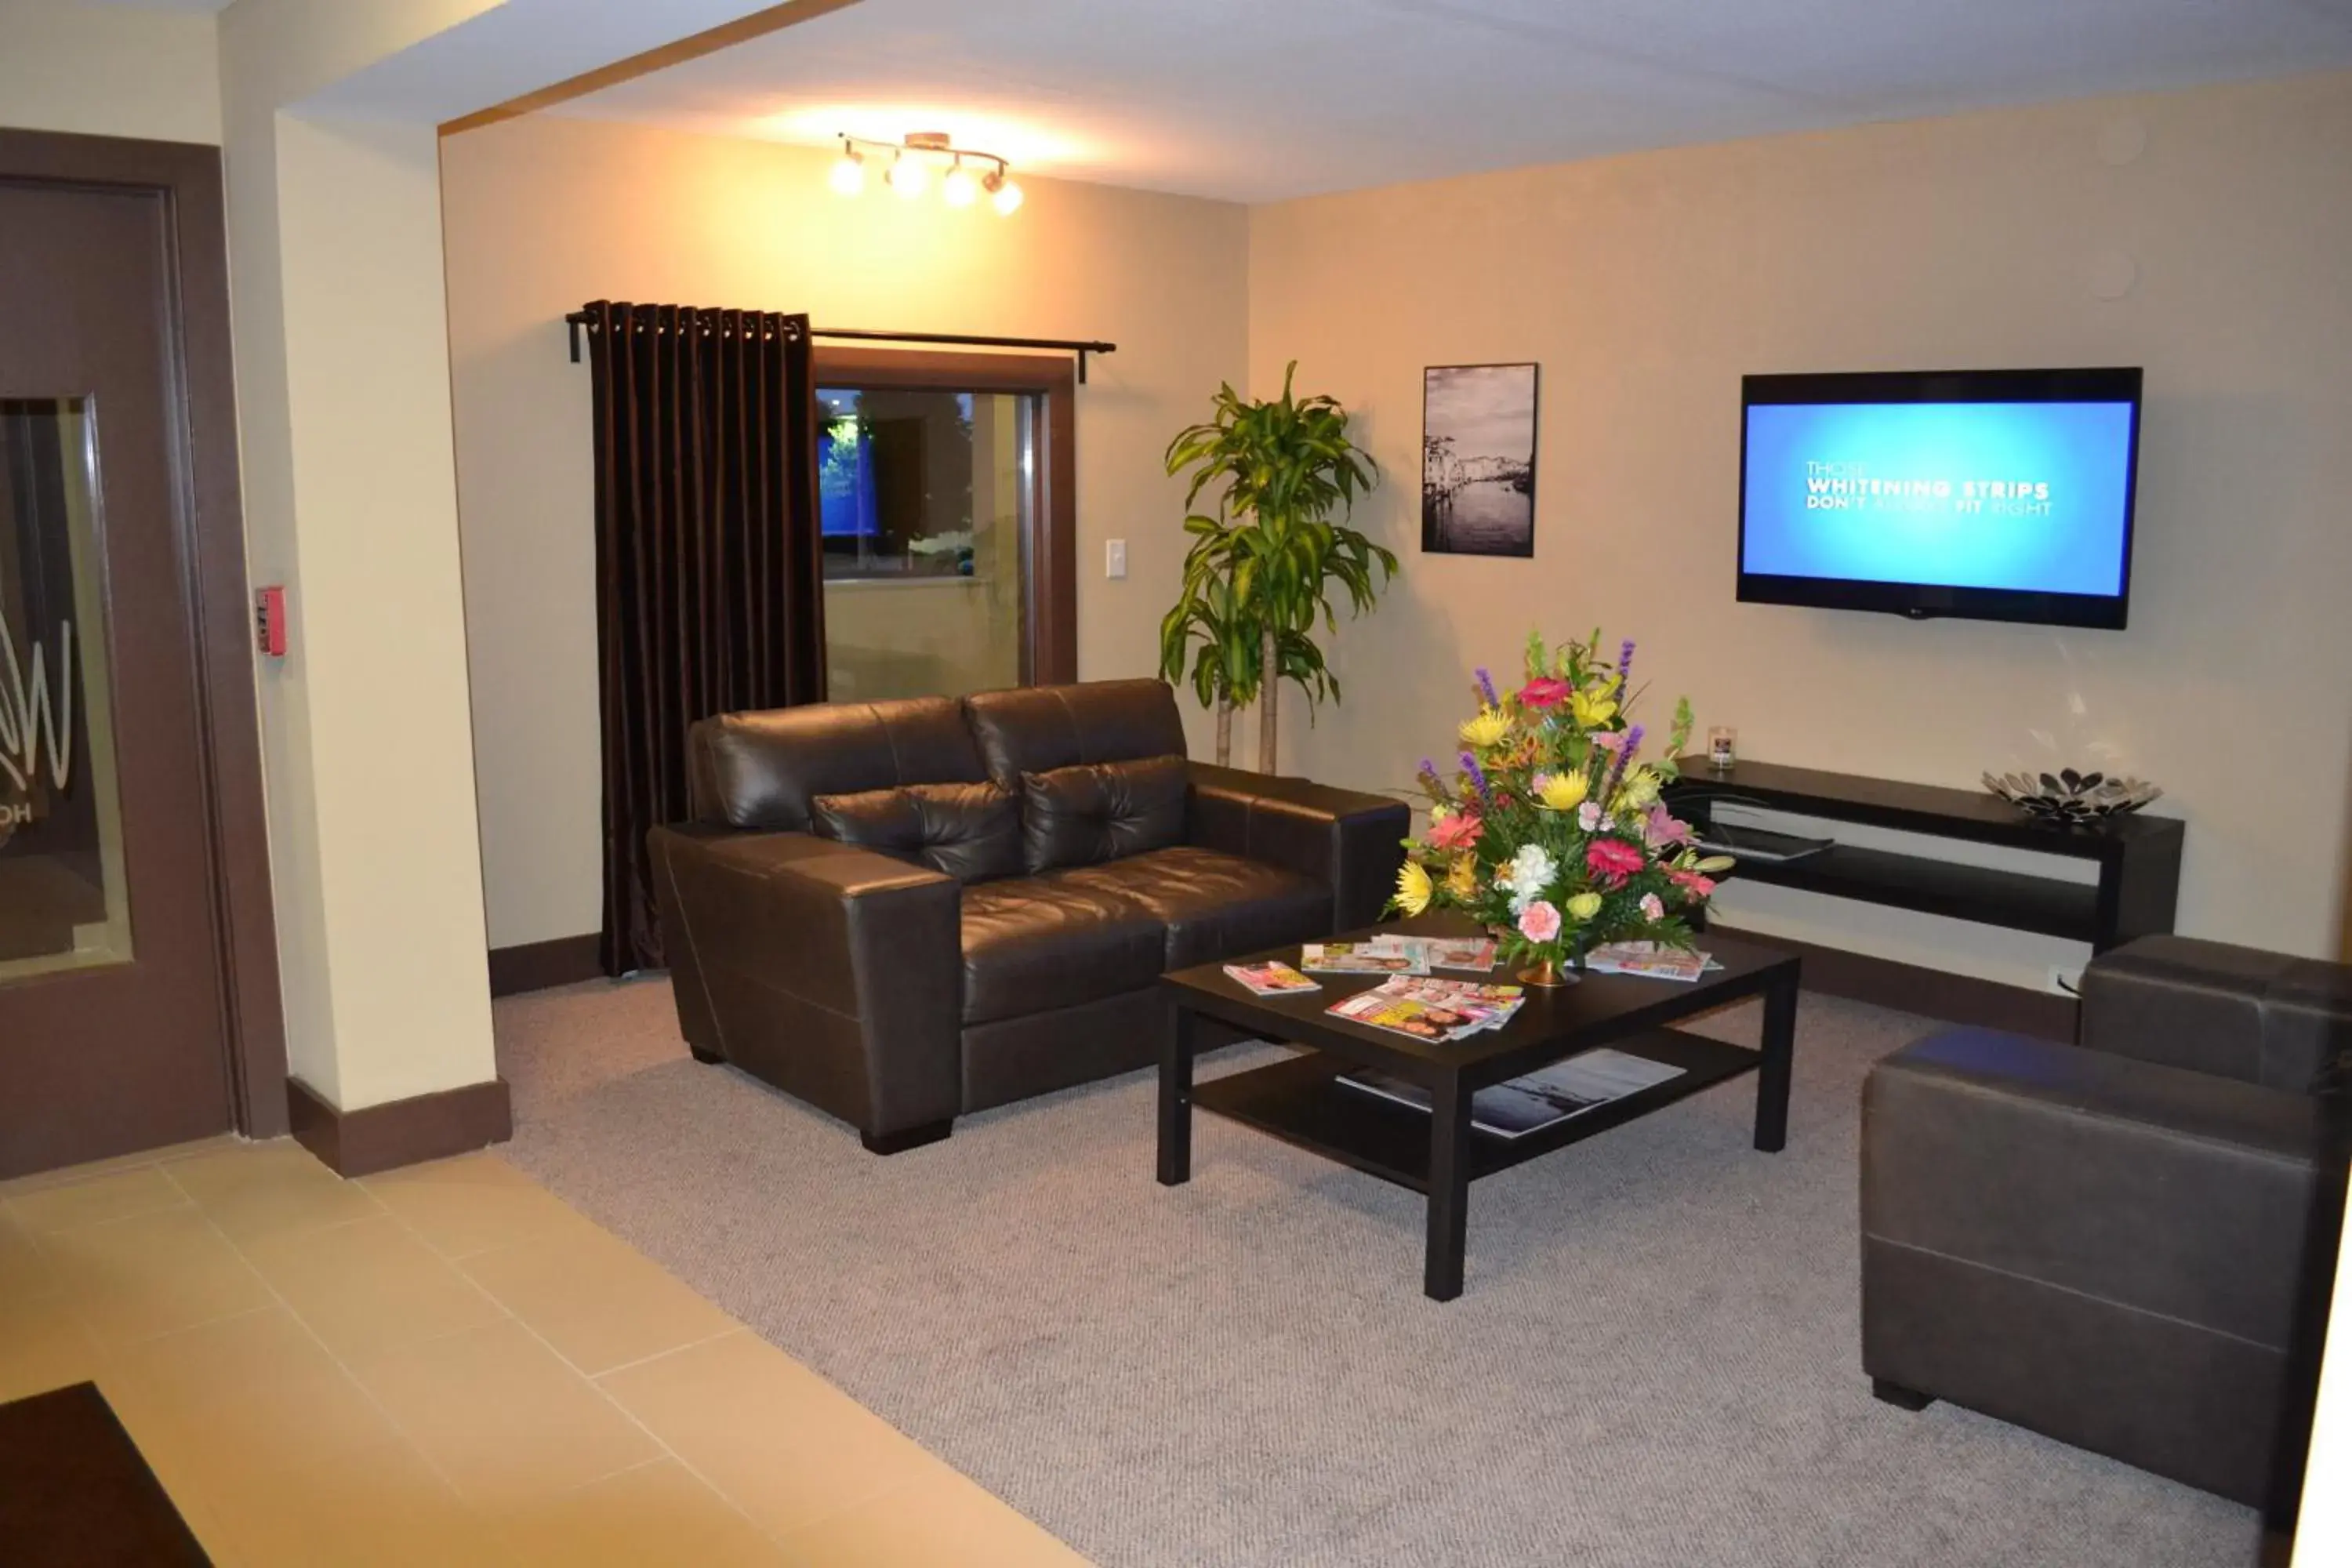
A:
(1115, 558)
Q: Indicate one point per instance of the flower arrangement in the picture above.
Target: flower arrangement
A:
(1552, 830)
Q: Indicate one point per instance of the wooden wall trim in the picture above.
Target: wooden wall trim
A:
(404, 1133)
(540, 965)
(710, 40)
(1931, 993)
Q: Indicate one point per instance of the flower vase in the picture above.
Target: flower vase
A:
(1566, 969)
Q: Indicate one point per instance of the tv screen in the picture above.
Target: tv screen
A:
(1999, 495)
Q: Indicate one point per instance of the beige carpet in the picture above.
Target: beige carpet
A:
(1655, 1362)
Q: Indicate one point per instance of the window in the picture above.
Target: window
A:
(944, 509)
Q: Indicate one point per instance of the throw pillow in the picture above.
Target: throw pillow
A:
(968, 831)
(1101, 811)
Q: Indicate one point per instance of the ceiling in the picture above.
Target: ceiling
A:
(1259, 99)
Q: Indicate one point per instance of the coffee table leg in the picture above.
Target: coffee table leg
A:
(1449, 1191)
(1779, 1056)
(1176, 1100)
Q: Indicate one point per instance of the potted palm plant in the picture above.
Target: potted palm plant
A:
(1260, 571)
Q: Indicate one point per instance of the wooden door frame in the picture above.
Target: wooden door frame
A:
(1053, 587)
(210, 526)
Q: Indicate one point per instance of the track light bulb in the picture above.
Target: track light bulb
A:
(848, 175)
(1007, 196)
(960, 188)
(907, 176)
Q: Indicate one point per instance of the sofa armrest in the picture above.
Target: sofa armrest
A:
(2211, 1007)
(832, 972)
(2161, 1191)
(1350, 841)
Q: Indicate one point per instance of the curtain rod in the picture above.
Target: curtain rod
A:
(1080, 347)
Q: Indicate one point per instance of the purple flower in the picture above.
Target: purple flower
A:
(1432, 782)
(1624, 670)
(1487, 688)
(1477, 778)
(1633, 743)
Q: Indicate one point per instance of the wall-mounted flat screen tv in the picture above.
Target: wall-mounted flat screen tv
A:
(2001, 495)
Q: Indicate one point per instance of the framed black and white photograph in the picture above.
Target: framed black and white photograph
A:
(1478, 459)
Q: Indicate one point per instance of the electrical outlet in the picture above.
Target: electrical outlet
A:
(1115, 558)
(2066, 982)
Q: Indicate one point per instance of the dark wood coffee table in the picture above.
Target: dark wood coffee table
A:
(1439, 1154)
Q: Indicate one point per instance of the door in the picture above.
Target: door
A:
(116, 1024)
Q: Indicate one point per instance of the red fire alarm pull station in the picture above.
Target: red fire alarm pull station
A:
(269, 622)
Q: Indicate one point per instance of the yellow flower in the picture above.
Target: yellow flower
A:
(1592, 708)
(1414, 891)
(1463, 881)
(1486, 730)
(1639, 790)
(1715, 863)
(1583, 907)
(1565, 792)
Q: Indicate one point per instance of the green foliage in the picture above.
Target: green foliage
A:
(1267, 559)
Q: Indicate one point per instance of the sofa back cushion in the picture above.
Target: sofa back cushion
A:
(763, 770)
(969, 831)
(1038, 729)
(1095, 812)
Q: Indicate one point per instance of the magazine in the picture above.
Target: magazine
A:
(1649, 960)
(1394, 954)
(1540, 1099)
(1452, 951)
(1270, 979)
(1492, 1006)
(1381, 956)
(1429, 1009)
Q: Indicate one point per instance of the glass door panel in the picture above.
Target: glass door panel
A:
(64, 902)
(926, 501)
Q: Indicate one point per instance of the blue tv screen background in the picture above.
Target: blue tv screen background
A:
(2030, 497)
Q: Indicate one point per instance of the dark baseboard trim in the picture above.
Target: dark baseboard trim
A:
(1907, 987)
(404, 1133)
(538, 965)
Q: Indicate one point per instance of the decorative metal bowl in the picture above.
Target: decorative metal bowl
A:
(2068, 798)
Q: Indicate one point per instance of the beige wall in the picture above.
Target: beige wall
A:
(544, 214)
(350, 501)
(1645, 285)
(108, 70)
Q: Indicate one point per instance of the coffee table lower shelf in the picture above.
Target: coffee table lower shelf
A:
(1300, 1101)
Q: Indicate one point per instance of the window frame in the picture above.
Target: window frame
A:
(1049, 653)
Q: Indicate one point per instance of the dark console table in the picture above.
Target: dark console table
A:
(2138, 856)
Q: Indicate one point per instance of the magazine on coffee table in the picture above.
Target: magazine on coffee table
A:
(1393, 952)
(1473, 952)
(1538, 1100)
(1270, 979)
(1649, 960)
(1429, 1007)
(1381, 956)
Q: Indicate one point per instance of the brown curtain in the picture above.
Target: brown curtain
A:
(710, 568)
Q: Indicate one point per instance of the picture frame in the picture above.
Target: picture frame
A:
(1478, 428)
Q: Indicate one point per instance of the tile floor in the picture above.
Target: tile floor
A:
(446, 1366)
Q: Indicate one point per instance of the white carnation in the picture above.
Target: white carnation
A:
(1527, 876)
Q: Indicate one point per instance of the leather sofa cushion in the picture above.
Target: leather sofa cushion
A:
(1095, 812)
(1215, 905)
(1031, 943)
(764, 770)
(2259, 1017)
(1036, 728)
(970, 831)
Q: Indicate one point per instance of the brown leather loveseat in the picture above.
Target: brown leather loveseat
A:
(903, 911)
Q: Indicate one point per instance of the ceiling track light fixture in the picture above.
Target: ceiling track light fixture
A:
(908, 167)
